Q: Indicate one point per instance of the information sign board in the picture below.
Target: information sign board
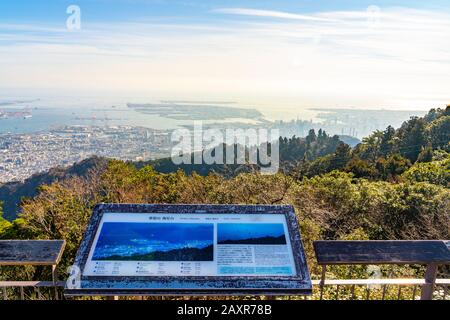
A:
(190, 249)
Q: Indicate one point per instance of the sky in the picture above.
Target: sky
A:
(240, 231)
(116, 233)
(302, 53)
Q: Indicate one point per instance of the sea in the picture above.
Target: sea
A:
(52, 113)
(47, 114)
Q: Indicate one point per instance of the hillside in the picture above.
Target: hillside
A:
(290, 150)
(336, 205)
(410, 200)
(385, 155)
(12, 193)
(183, 254)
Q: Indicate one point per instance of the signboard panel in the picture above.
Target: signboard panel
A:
(190, 249)
(170, 244)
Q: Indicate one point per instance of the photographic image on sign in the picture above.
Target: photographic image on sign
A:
(251, 233)
(205, 244)
(131, 241)
(220, 249)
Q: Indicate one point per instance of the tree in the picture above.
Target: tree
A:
(435, 172)
(426, 154)
(370, 147)
(412, 138)
(416, 211)
(340, 158)
(361, 168)
(4, 224)
(387, 141)
(343, 151)
(439, 132)
(311, 137)
(392, 167)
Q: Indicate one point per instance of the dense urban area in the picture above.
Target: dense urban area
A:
(22, 155)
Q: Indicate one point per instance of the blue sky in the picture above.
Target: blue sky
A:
(118, 233)
(299, 53)
(120, 238)
(126, 10)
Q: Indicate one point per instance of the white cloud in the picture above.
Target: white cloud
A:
(269, 14)
(329, 58)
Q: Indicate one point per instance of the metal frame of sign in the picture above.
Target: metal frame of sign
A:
(192, 285)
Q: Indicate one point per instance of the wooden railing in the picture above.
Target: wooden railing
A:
(20, 253)
(432, 254)
(377, 289)
(328, 254)
(341, 289)
(31, 290)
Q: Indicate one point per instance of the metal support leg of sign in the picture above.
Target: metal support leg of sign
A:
(322, 280)
(55, 280)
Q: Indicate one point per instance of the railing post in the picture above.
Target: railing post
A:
(322, 280)
(55, 280)
(430, 279)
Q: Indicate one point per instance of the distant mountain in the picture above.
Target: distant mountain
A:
(184, 254)
(351, 141)
(262, 240)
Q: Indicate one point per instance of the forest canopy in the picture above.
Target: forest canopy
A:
(394, 185)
